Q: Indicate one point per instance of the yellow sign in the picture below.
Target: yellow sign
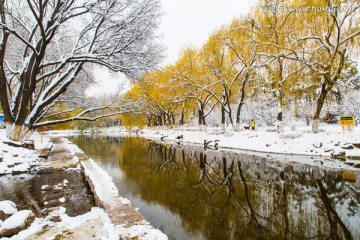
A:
(347, 121)
(349, 176)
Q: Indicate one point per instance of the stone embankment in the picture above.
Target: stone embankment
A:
(68, 179)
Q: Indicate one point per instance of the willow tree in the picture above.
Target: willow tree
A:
(275, 33)
(332, 32)
(221, 73)
(45, 45)
(196, 83)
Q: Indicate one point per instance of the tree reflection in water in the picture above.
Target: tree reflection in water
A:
(225, 195)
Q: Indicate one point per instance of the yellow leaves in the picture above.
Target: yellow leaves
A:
(274, 37)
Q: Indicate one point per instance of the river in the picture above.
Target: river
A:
(192, 193)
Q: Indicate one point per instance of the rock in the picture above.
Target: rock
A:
(18, 172)
(357, 165)
(328, 150)
(317, 144)
(347, 146)
(44, 153)
(268, 145)
(16, 223)
(7, 208)
(357, 145)
(54, 218)
(1, 159)
(26, 144)
(29, 144)
(338, 154)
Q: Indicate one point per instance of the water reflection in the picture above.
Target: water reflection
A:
(223, 195)
(41, 192)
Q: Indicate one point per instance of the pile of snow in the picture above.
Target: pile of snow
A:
(18, 159)
(16, 220)
(13, 221)
(92, 225)
(104, 186)
(142, 230)
(8, 207)
(95, 224)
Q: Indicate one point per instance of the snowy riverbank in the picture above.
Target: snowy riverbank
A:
(328, 142)
(96, 224)
(300, 145)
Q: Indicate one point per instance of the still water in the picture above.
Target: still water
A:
(190, 193)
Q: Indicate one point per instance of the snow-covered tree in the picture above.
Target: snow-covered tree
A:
(46, 44)
(327, 42)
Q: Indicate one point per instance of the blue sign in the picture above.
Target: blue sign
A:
(1, 118)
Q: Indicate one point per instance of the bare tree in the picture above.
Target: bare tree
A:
(45, 45)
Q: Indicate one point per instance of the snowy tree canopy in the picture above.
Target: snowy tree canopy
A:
(46, 44)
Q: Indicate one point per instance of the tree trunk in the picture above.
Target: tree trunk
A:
(182, 119)
(17, 133)
(238, 115)
(222, 118)
(200, 118)
(173, 119)
(164, 119)
(280, 86)
(319, 104)
(296, 105)
(204, 122)
(281, 103)
(241, 103)
(160, 120)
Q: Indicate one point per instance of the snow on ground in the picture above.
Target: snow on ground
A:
(297, 140)
(301, 141)
(15, 159)
(8, 207)
(92, 225)
(103, 185)
(16, 220)
(299, 145)
(108, 193)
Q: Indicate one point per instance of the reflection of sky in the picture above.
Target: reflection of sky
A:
(269, 183)
(155, 213)
(158, 215)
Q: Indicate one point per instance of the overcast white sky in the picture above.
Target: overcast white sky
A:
(190, 22)
(185, 23)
